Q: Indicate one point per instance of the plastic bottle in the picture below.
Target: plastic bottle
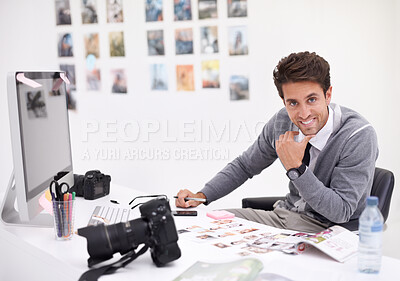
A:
(370, 237)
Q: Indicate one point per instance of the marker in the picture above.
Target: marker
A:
(194, 199)
(114, 201)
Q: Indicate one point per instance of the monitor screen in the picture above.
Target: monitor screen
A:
(43, 122)
(40, 136)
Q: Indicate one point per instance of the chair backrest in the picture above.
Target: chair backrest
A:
(382, 188)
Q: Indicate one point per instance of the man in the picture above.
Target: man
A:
(329, 182)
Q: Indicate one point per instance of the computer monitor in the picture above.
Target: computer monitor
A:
(41, 146)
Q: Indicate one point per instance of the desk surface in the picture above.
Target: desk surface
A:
(34, 254)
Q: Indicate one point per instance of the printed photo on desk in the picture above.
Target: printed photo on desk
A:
(240, 270)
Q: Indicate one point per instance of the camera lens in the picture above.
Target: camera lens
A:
(103, 241)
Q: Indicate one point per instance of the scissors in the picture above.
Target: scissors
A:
(59, 189)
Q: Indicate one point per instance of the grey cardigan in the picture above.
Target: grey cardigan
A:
(336, 190)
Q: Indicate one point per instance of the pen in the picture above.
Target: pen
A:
(194, 199)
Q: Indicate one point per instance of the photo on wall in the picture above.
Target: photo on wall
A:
(155, 42)
(119, 81)
(92, 44)
(115, 11)
(209, 39)
(158, 77)
(154, 10)
(237, 8)
(35, 104)
(238, 40)
(89, 11)
(182, 10)
(210, 74)
(117, 47)
(208, 9)
(183, 41)
(69, 70)
(63, 12)
(184, 78)
(65, 45)
(93, 80)
(239, 87)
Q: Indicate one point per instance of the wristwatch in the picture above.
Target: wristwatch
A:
(294, 173)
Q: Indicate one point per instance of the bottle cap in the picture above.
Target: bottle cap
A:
(372, 201)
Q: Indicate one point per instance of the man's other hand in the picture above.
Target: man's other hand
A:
(183, 193)
(289, 151)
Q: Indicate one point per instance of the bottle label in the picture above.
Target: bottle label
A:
(376, 228)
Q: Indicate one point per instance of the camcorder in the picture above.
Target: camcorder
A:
(155, 229)
(94, 184)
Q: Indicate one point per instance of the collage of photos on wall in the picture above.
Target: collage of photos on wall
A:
(209, 44)
(68, 42)
(184, 45)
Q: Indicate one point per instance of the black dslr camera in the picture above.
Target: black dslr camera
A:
(156, 229)
(92, 185)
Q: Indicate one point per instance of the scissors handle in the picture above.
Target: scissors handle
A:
(57, 189)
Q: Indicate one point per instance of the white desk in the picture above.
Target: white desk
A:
(33, 254)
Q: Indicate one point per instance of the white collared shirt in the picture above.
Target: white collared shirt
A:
(319, 141)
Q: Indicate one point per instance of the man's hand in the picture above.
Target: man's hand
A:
(183, 193)
(289, 151)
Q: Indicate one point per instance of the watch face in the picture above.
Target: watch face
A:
(293, 174)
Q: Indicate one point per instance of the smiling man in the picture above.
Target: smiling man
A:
(328, 152)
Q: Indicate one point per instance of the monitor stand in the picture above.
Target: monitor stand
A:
(10, 215)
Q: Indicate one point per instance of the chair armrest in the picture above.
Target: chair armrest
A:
(261, 203)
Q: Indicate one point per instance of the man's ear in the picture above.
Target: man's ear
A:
(328, 95)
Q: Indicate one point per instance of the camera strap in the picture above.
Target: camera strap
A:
(94, 274)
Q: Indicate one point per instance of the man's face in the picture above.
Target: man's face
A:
(307, 105)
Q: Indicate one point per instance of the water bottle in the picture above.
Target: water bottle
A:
(370, 237)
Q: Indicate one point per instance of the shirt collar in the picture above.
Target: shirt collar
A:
(320, 140)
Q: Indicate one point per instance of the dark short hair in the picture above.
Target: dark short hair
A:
(304, 66)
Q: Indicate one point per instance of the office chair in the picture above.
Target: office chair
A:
(382, 187)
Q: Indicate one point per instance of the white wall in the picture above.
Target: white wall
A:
(359, 38)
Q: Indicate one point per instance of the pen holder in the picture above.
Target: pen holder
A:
(63, 212)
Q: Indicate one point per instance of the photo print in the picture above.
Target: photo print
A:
(119, 81)
(184, 78)
(158, 77)
(117, 47)
(69, 70)
(210, 74)
(115, 11)
(237, 8)
(239, 87)
(209, 39)
(35, 104)
(93, 79)
(155, 42)
(184, 41)
(65, 46)
(63, 12)
(89, 11)
(238, 40)
(208, 9)
(182, 10)
(92, 44)
(154, 10)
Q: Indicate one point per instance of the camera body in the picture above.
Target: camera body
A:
(92, 185)
(156, 228)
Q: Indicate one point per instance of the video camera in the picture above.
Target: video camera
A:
(156, 229)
